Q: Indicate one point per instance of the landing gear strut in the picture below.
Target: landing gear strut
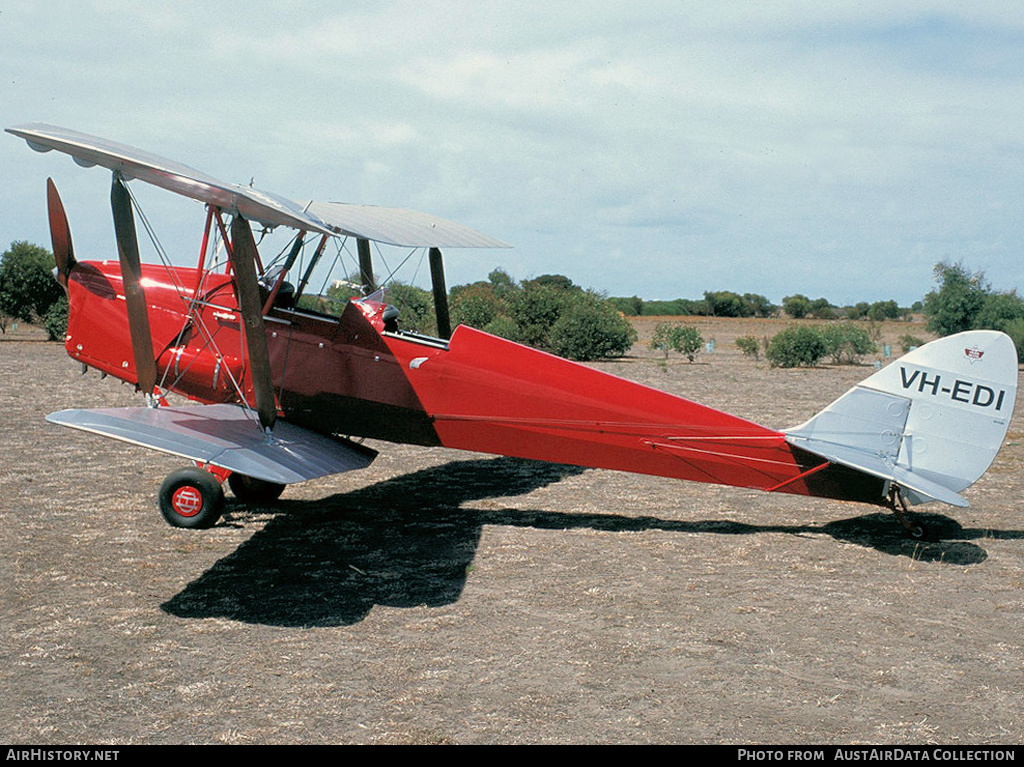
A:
(915, 530)
(252, 490)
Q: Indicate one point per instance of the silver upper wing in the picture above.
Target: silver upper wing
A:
(254, 204)
(390, 226)
(398, 226)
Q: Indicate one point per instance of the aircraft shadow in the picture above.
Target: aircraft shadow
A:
(406, 542)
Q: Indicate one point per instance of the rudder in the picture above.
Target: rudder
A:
(932, 421)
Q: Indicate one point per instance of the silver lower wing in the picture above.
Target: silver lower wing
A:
(225, 436)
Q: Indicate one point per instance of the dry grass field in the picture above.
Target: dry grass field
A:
(450, 598)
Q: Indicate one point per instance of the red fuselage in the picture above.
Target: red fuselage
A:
(348, 375)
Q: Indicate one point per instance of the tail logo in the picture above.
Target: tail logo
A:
(973, 354)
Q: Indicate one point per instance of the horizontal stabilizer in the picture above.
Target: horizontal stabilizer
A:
(224, 436)
(877, 466)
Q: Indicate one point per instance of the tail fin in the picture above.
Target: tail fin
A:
(930, 422)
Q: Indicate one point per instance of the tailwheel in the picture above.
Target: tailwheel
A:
(191, 498)
(914, 529)
(252, 490)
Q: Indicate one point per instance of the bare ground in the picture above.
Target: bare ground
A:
(444, 597)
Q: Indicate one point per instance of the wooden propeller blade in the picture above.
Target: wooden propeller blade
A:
(243, 263)
(134, 296)
(60, 234)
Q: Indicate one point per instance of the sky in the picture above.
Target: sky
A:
(659, 149)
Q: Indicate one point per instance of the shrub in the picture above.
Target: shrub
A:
(56, 320)
(684, 339)
(846, 343)
(908, 342)
(796, 346)
(589, 330)
(535, 308)
(749, 346)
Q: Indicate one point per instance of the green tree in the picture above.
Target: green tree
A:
(999, 309)
(556, 281)
(338, 295)
(415, 307)
(858, 311)
(953, 307)
(725, 303)
(883, 310)
(821, 309)
(476, 305)
(631, 306)
(503, 283)
(548, 313)
(1015, 330)
(27, 286)
(797, 307)
(662, 338)
(759, 305)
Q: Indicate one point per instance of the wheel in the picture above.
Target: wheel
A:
(191, 498)
(252, 490)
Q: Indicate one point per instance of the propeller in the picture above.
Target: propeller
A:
(243, 263)
(131, 275)
(60, 234)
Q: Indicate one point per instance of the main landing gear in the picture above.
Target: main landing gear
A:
(194, 497)
(191, 498)
(915, 530)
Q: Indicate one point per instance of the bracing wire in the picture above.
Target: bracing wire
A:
(192, 303)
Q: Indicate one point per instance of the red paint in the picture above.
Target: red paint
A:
(477, 392)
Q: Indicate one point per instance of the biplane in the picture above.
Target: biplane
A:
(287, 391)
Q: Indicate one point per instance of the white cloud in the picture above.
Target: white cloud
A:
(783, 147)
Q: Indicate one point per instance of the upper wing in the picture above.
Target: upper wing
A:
(397, 226)
(390, 226)
(253, 204)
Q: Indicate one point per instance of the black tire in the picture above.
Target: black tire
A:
(252, 490)
(191, 498)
